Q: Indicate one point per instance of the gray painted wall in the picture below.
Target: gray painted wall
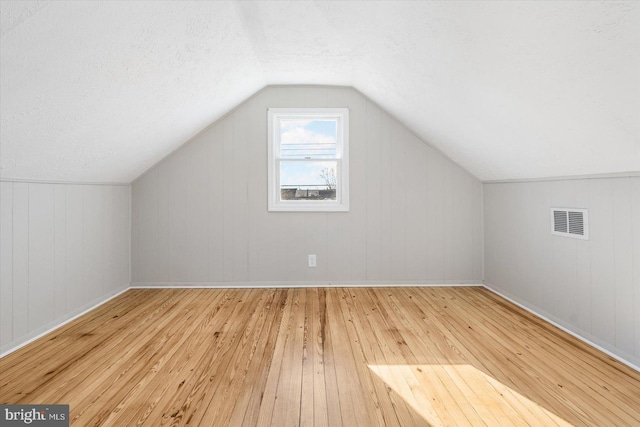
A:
(64, 249)
(200, 216)
(591, 287)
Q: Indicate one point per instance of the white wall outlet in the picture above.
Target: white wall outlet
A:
(312, 260)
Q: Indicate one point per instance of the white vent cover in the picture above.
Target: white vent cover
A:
(570, 222)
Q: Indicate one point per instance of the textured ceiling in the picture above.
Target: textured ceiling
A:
(100, 91)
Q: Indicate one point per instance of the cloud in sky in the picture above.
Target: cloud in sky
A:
(308, 131)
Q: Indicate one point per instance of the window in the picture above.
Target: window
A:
(308, 159)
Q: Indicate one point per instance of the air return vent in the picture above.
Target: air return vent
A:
(570, 222)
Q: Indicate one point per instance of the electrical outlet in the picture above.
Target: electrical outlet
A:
(312, 260)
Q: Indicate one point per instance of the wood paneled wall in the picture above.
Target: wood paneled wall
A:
(591, 287)
(200, 215)
(64, 249)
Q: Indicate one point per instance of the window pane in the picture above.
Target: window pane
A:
(311, 180)
(308, 139)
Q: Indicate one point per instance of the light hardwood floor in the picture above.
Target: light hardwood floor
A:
(320, 357)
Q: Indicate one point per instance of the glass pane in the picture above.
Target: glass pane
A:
(308, 139)
(308, 180)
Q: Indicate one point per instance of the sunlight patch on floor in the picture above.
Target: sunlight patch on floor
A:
(462, 395)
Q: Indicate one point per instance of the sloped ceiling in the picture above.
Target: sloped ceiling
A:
(100, 91)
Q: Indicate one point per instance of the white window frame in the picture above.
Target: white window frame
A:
(341, 204)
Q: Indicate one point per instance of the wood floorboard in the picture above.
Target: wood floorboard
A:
(471, 338)
(320, 357)
(555, 370)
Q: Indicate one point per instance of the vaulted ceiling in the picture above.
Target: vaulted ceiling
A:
(99, 91)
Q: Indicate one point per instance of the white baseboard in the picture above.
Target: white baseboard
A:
(560, 325)
(52, 326)
(286, 284)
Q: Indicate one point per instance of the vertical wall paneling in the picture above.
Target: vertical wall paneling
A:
(60, 244)
(121, 236)
(589, 286)
(386, 147)
(448, 225)
(123, 233)
(435, 213)
(254, 184)
(162, 188)
(356, 218)
(196, 211)
(6, 263)
(541, 281)
(461, 230)
(147, 238)
(74, 246)
(177, 216)
(215, 199)
(373, 141)
(41, 254)
(92, 243)
(207, 204)
(109, 223)
(623, 265)
(227, 197)
(239, 198)
(136, 251)
(477, 229)
(20, 259)
(603, 274)
(397, 199)
(64, 248)
(635, 230)
(416, 202)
